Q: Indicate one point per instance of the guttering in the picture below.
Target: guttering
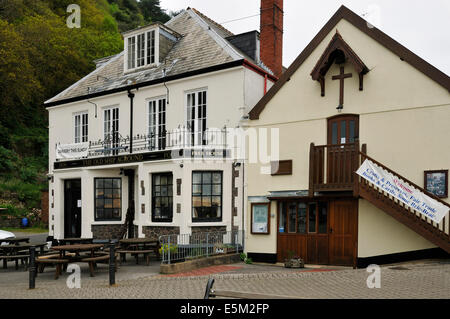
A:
(149, 83)
(259, 70)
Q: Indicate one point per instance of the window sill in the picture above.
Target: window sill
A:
(107, 222)
(206, 223)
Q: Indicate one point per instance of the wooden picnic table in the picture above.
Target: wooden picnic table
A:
(77, 249)
(65, 258)
(16, 252)
(16, 240)
(138, 246)
(72, 241)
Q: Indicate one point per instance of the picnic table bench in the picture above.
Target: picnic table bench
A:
(18, 252)
(138, 246)
(15, 240)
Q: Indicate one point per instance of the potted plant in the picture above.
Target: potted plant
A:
(293, 261)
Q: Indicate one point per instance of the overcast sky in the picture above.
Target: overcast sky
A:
(423, 26)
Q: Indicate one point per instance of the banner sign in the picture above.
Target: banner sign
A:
(71, 151)
(405, 193)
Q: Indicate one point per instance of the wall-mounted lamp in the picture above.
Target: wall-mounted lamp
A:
(339, 108)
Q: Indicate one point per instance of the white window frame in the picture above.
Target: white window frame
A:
(196, 127)
(110, 124)
(145, 50)
(81, 136)
(157, 123)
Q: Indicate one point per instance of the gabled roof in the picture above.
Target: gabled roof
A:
(201, 48)
(361, 24)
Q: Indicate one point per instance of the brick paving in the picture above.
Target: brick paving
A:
(423, 279)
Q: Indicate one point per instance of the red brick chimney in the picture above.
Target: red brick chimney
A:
(271, 35)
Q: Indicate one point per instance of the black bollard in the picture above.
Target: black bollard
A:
(32, 268)
(112, 263)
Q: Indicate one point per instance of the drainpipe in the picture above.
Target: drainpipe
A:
(265, 84)
(131, 96)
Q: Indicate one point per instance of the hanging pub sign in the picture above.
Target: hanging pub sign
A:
(404, 192)
(72, 151)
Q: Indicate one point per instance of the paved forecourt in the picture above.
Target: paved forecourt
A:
(425, 279)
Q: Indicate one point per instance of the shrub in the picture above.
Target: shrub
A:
(164, 249)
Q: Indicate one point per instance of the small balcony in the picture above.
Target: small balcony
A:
(332, 167)
(117, 145)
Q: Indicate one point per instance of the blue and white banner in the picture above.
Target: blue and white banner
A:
(404, 192)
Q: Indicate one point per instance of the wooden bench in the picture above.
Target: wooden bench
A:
(41, 262)
(136, 253)
(97, 259)
(24, 258)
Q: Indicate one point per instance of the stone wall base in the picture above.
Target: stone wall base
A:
(208, 229)
(106, 231)
(168, 269)
(153, 232)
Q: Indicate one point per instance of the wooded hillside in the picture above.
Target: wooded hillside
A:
(40, 57)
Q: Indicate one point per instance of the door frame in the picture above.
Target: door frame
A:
(343, 116)
(66, 213)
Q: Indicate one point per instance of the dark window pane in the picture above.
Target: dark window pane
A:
(312, 218)
(206, 178)
(301, 218)
(197, 178)
(334, 133)
(283, 218)
(351, 137)
(323, 218)
(292, 216)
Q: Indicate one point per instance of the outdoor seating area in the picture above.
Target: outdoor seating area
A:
(74, 250)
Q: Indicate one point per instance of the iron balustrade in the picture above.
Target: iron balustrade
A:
(183, 247)
(182, 138)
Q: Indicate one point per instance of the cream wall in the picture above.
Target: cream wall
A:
(404, 118)
(380, 234)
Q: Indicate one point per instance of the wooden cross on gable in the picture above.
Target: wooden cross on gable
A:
(341, 77)
(339, 52)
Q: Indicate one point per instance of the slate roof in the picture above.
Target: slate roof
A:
(202, 45)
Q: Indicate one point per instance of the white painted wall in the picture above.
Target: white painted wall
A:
(228, 98)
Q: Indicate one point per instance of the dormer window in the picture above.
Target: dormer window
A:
(147, 46)
(141, 50)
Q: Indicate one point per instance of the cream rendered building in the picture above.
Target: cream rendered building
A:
(175, 90)
(394, 106)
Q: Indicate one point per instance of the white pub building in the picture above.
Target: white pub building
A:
(139, 145)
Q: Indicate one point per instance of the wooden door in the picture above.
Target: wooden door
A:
(343, 131)
(72, 208)
(343, 232)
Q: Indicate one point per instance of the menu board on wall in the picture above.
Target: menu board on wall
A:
(260, 218)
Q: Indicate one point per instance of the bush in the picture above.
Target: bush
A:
(165, 248)
(15, 211)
